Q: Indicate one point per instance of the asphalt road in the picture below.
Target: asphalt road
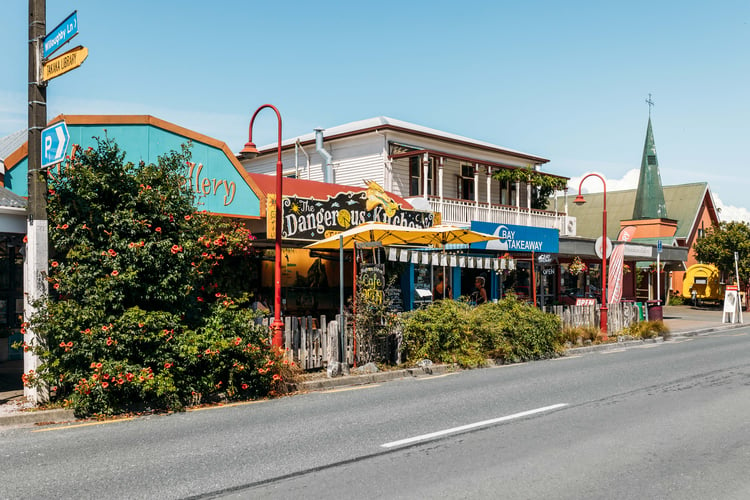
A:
(667, 420)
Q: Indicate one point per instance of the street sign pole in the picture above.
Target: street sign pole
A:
(35, 264)
(658, 271)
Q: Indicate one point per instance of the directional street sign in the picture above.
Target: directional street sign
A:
(658, 246)
(61, 35)
(55, 141)
(64, 63)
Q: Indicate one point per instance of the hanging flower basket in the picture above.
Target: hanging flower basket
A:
(577, 267)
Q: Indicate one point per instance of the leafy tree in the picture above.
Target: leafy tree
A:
(139, 313)
(720, 243)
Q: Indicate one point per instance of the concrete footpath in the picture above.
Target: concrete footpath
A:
(682, 321)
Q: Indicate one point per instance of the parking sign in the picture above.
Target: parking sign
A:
(55, 141)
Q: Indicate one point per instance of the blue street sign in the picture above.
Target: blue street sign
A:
(61, 35)
(55, 141)
(658, 246)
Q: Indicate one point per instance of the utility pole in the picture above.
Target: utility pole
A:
(35, 263)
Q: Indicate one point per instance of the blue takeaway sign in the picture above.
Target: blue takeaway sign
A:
(517, 238)
(61, 35)
(55, 141)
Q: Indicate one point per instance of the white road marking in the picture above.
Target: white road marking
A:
(462, 428)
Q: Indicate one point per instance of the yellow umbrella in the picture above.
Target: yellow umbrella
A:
(445, 234)
(387, 234)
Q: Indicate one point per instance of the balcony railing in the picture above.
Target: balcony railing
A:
(462, 212)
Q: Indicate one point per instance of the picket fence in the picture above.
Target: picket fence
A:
(312, 343)
(619, 316)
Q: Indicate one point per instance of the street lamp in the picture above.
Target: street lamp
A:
(580, 201)
(250, 151)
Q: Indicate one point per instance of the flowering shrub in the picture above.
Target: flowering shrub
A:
(140, 314)
(577, 266)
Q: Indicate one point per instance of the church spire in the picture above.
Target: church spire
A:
(649, 199)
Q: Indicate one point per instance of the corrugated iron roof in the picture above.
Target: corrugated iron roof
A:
(11, 142)
(378, 122)
(11, 199)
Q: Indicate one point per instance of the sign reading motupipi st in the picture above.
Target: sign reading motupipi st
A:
(311, 219)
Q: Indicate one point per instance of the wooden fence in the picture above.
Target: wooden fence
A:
(619, 316)
(313, 343)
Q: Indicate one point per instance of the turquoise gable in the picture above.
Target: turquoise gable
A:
(219, 186)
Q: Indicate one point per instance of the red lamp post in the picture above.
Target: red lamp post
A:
(580, 201)
(250, 151)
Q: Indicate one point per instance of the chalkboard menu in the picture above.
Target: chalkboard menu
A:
(394, 299)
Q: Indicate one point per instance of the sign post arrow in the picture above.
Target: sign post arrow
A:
(55, 141)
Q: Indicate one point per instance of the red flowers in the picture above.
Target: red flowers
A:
(277, 378)
(168, 365)
(115, 272)
(55, 263)
(176, 249)
(158, 230)
(111, 252)
(244, 387)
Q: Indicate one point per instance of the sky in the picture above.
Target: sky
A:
(567, 81)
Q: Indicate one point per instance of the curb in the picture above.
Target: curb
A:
(368, 378)
(37, 417)
(61, 416)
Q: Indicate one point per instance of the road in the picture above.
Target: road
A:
(665, 420)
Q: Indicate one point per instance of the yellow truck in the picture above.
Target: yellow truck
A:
(702, 282)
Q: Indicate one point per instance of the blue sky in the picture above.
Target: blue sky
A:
(562, 80)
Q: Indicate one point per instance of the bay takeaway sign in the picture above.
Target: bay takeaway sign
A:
(311, 219)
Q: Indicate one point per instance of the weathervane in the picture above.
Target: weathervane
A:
(650, 105)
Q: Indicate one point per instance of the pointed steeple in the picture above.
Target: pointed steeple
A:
(649, 199)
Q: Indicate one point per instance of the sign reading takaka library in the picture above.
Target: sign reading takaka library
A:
(213, 174)
(312, 219)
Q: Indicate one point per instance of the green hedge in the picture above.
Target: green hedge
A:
(452, 331)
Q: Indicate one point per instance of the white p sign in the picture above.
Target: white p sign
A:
(54, 144)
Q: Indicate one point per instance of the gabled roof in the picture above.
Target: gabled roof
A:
(683, 203)
(384, 123)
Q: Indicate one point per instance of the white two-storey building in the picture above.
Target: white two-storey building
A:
(440, 172)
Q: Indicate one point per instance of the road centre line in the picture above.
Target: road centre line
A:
(475, 425)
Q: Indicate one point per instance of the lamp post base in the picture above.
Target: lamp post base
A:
(277, 339)
(603, 322)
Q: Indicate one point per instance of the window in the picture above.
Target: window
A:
(466, 183)
(415, 176)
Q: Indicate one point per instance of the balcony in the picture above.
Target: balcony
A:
(462, 212)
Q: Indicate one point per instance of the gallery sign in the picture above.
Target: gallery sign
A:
(312, 219)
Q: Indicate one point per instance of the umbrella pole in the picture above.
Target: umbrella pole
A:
(341, 299)
(354, 303)
(533, 277)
